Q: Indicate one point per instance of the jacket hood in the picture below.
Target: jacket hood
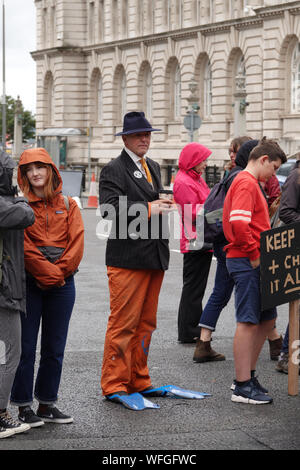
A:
(37, 155)
(192, 154)
(243, 153)
(7, 165)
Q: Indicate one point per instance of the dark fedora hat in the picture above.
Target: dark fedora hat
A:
(136, 122)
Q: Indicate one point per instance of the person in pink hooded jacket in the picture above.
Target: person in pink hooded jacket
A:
(190, 193)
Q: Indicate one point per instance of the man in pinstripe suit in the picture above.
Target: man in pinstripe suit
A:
(137, 254)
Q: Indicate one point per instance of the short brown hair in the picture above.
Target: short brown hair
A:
(268, 147)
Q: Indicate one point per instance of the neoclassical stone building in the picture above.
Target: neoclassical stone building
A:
(239, 60)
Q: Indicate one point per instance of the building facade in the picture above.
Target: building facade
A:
(238, 60)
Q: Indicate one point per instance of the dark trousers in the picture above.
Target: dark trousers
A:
(52, 308)
(196, 265)
(223, 288)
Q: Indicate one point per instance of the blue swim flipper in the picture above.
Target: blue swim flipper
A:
(172, 391)
(134, 401)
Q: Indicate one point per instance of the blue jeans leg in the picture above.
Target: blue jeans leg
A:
(285, 344)
(222, 291)
(53, 308)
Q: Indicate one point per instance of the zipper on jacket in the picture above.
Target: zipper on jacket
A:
(46, 218)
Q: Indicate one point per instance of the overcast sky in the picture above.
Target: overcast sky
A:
(20, 41)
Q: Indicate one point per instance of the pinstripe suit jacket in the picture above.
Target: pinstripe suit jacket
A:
(136, 241)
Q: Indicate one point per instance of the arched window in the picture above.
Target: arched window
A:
(207, 90)
(295, 80)
(177, 93)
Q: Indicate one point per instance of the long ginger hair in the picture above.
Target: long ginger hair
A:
(51, 185)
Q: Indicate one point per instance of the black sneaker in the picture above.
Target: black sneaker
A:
(53, 415)
(27, 415)
(249, 393)
(7, 422)
(255, 381)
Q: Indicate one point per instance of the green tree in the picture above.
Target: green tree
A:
(28, 120)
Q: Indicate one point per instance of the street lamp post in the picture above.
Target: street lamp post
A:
(192, 120)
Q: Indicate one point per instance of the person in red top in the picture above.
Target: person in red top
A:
(245, 216)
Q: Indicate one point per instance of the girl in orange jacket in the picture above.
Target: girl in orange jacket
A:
(53, 249)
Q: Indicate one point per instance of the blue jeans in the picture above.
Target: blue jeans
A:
(222, 291)
(285, 344)
(52, 307)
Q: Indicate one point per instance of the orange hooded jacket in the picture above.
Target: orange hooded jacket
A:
(54, 226)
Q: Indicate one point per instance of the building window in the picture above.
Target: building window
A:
(101, 22)
(45, 27)
(53, 26)
(179, 13)
(167, 13)
(125, 18)
(295, 80)
(177, 93)
(211, 11)
(115, 19)
(91, 22)
(208, 91)
(197, 16)
(150, 16)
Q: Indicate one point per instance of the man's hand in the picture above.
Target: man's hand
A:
(161, 206)
(255, 263)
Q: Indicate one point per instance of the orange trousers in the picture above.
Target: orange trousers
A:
(133, 306)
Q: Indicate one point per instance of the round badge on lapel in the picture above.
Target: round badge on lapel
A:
(137, 174)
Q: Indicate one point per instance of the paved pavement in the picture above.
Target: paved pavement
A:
(186, 425)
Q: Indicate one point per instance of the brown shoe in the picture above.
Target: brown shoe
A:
(283, 363)
(275, 348)
(204, 352)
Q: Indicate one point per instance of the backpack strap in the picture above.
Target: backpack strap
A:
(67, 202)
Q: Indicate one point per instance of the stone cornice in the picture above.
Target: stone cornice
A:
(254, 22)
(56, 51)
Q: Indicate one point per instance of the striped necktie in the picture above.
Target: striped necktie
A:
(147, 171)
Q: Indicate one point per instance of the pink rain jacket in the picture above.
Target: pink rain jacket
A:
(190, 190)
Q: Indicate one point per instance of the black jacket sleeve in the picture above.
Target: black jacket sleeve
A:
(289, 211)
(15, 213)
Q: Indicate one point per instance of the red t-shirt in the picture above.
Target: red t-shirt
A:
(245, 216)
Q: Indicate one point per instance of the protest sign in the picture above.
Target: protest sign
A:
(280, 284)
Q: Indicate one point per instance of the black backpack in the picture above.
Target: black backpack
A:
(213, 210)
